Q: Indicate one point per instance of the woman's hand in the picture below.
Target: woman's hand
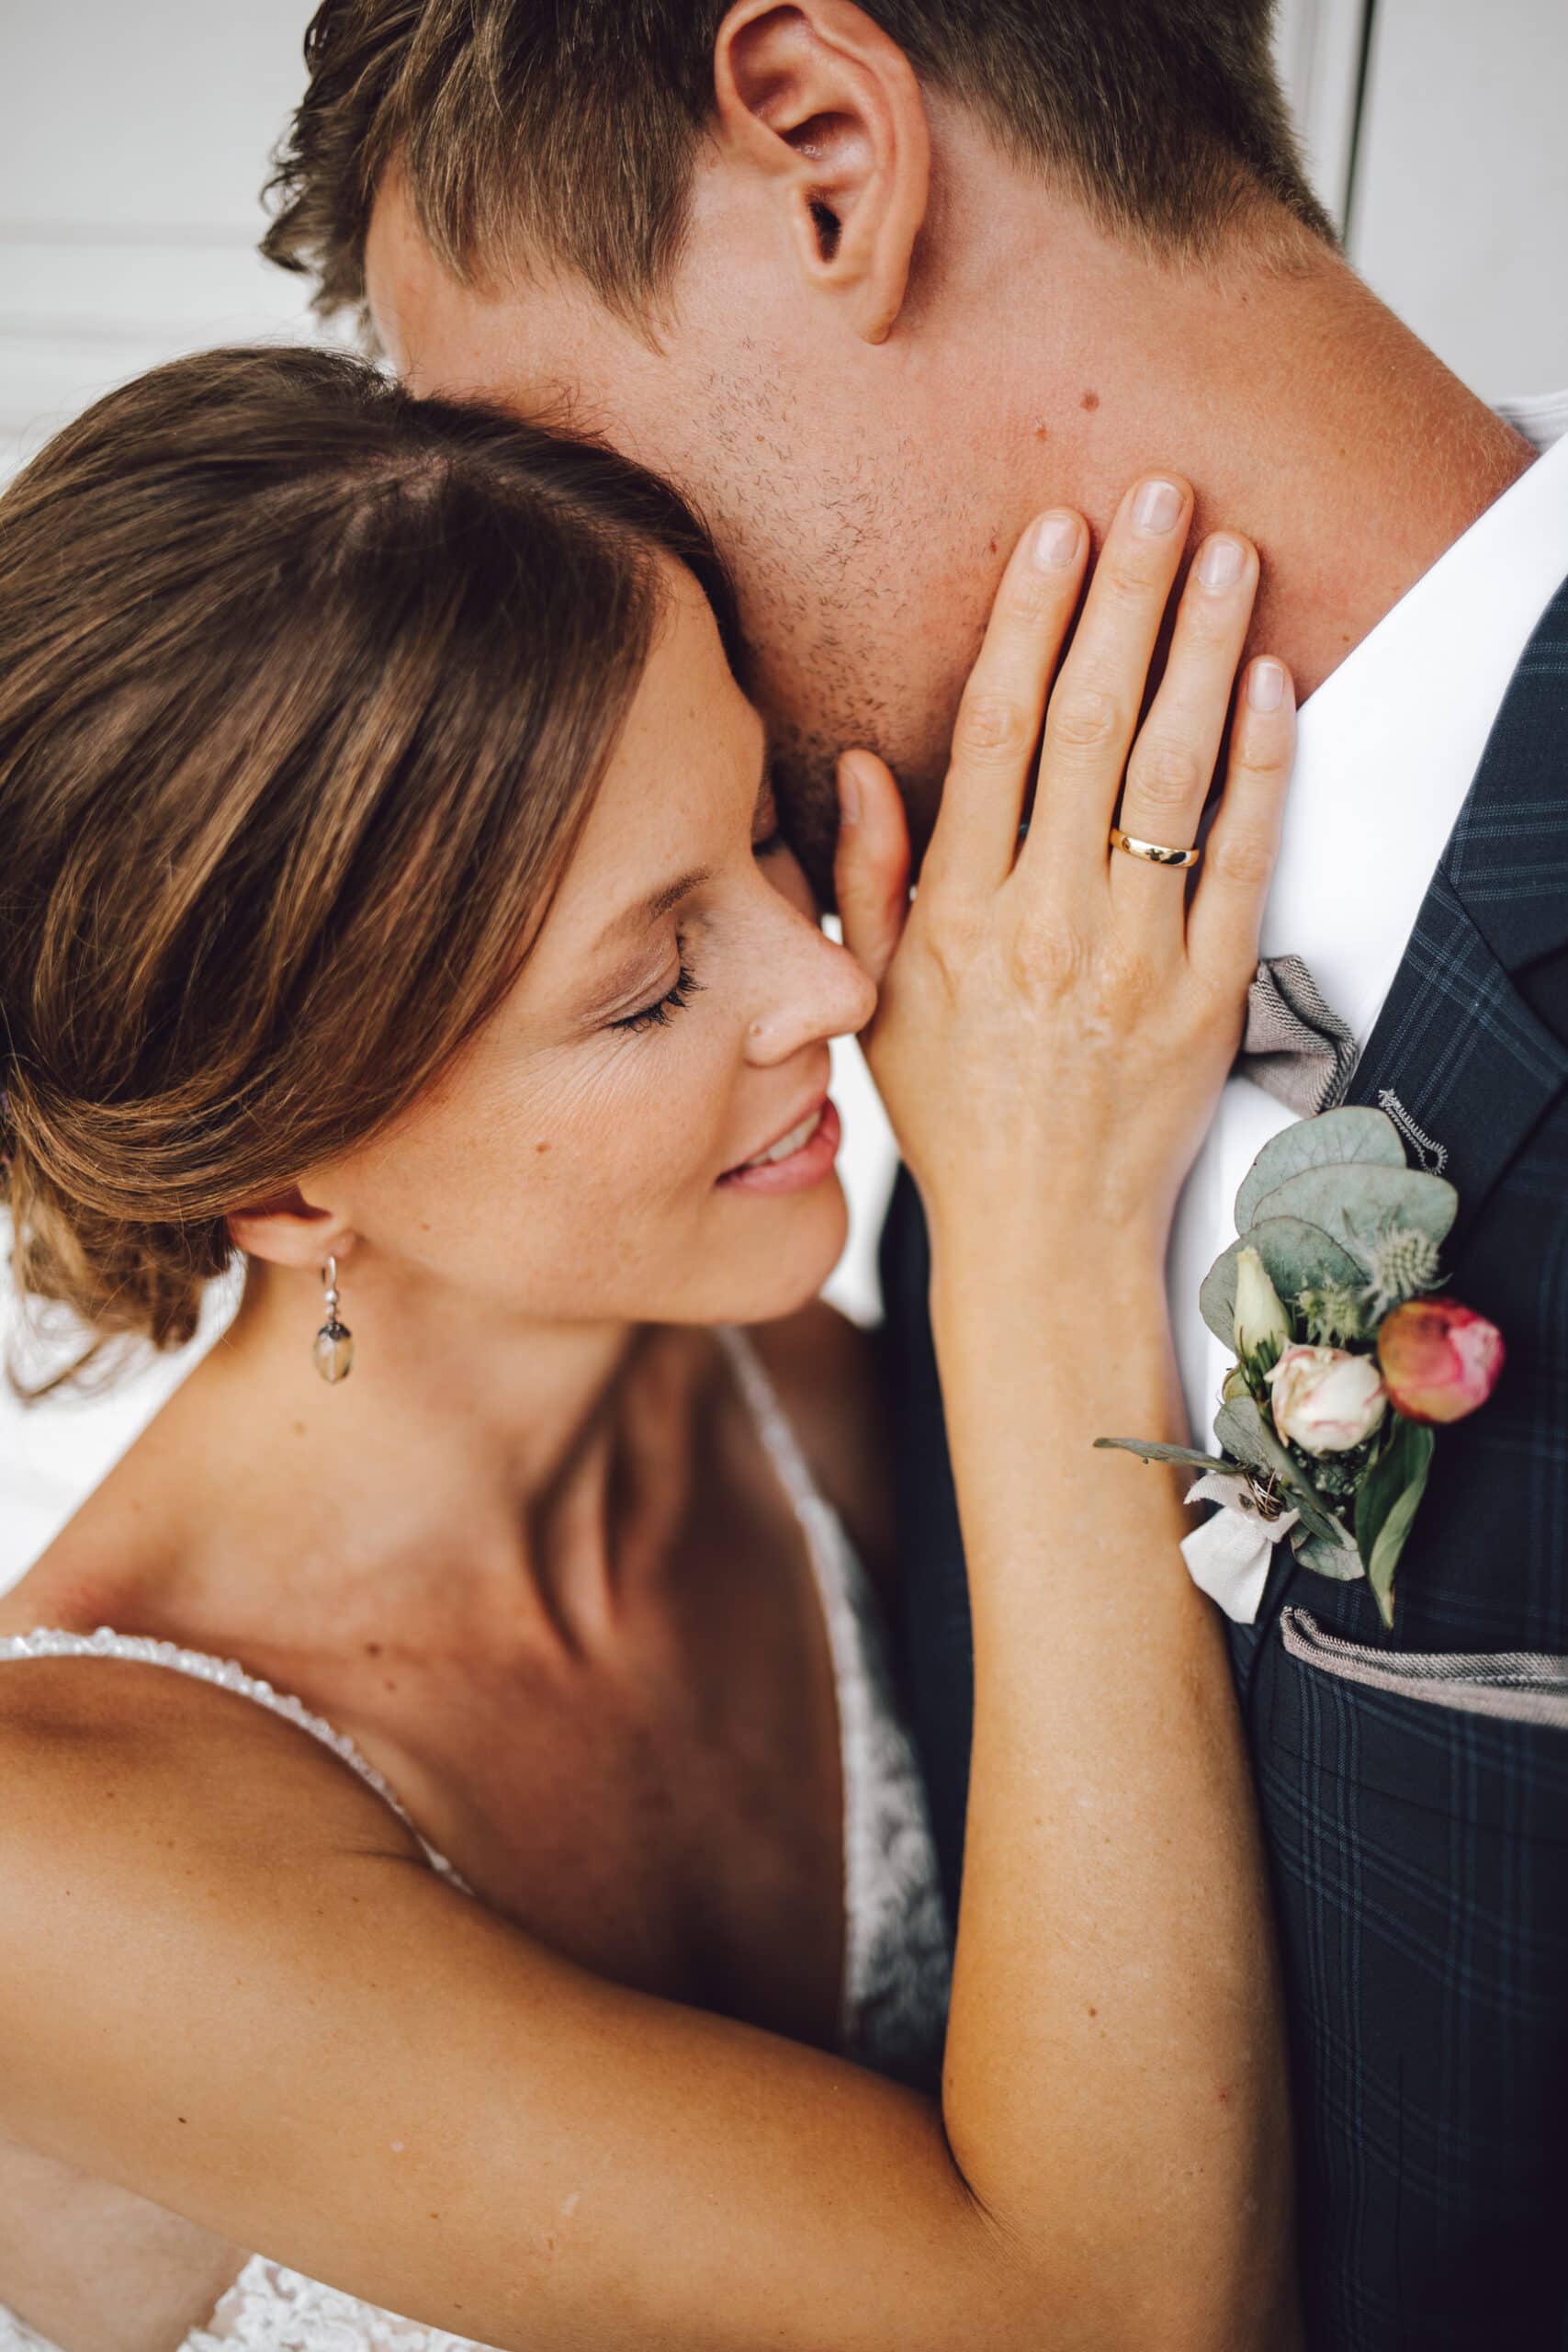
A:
(1057, 1017)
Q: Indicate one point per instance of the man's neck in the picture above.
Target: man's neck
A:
(1301, 409)
(1352, 455)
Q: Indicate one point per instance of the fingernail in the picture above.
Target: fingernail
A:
(1220, 563)
(1266, 685)
(849, 794)
(1055, 542)
(1158, 507)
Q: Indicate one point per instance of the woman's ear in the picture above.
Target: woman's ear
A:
(818, 99)
(287, 1232)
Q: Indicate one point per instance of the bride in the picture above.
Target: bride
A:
(461, 1855)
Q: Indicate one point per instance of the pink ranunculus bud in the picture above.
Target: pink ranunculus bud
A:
(1324, 1400)
(1440, 1360)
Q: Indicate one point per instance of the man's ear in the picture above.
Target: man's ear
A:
(818, 97)
(287, 1232)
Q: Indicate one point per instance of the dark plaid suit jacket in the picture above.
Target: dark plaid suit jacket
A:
(1419, 1853)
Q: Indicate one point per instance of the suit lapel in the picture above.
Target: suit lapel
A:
(1456, 1057)
(1457, 1052)
(1509, 856)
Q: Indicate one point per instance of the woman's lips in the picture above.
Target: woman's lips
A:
(804, 1163)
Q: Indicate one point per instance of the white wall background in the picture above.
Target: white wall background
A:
(1459, 208)
(133, 141)
(1436, 131)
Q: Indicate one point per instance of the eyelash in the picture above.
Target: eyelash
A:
(659, 1015)
(687, 985)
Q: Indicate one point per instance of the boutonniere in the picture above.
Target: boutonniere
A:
(1346, 1361)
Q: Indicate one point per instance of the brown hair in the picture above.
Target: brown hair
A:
(307, 687)
(568, 127)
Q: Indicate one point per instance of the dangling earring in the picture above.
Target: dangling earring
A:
(332, 1353)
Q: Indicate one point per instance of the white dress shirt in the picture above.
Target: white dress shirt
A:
(1386, 752)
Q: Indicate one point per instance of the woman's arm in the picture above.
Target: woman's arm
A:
(227, 1982)
(1115, 2084)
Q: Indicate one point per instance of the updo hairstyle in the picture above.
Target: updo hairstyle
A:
(306, 690)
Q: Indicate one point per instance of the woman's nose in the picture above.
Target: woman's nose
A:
(817, 991)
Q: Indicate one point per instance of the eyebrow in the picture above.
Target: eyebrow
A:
(647, 911)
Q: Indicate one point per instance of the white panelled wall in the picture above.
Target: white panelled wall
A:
(1459, 214)
(133, 143)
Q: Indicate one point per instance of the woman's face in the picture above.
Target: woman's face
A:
(601, 1149)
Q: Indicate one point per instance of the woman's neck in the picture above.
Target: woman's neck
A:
(430, 1359)
(466, 1486)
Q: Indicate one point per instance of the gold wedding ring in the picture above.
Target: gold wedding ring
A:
(1154, 852)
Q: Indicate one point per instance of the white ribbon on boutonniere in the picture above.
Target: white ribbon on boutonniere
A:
(1230, 1555)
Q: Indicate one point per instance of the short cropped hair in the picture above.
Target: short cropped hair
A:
(567, 130)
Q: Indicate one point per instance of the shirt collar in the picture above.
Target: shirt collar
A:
(1390, 743)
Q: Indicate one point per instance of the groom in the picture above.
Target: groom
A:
(873, 284)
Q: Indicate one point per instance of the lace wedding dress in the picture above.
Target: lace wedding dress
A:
(898, 1950)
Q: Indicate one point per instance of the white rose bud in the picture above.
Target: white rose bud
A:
(1260, 1320)
(1324, 1400)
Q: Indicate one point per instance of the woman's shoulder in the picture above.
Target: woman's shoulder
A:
(118, 1772)
(828, 1375)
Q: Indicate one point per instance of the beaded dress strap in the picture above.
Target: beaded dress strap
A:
(897, 1944)
(775, 1428)
(835, 1565)
(49, 1641)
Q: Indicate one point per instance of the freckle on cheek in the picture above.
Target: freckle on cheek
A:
(541, 1147)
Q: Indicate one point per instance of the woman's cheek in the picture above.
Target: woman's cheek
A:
(682, 1122)
(654, 1117)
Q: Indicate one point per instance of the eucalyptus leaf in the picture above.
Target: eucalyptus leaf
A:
(1238, 1425)
(1334, 1139)
(1386, 1507)
(1242, 1430)
(1404, 1454)
(1388, 1547)
(1330, 1560)
(1148, 1451)
(1353, 1206)
(1298, 1256)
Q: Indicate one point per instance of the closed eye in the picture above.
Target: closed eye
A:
(660, 1014)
